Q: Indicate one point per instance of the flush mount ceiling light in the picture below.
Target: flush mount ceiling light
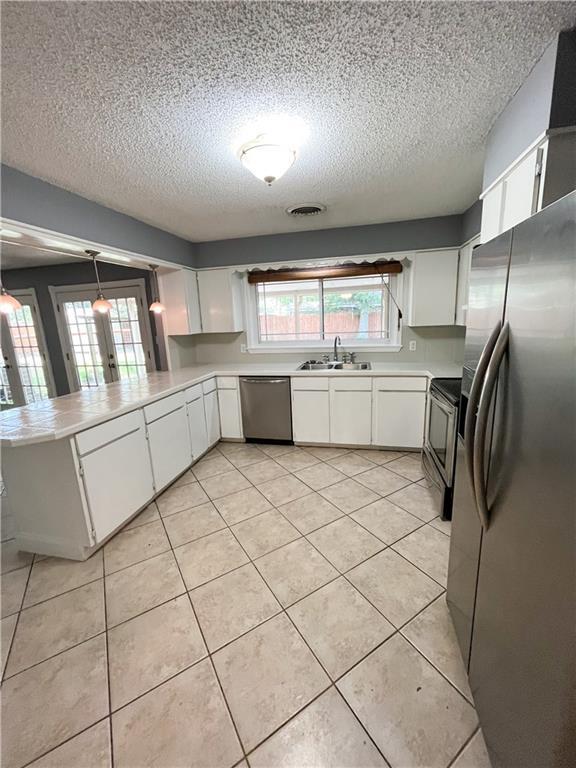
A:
(157, 307)
(8, 303)
(101, 304)
(267, 157)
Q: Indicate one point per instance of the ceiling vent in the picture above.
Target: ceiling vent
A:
(306, 209)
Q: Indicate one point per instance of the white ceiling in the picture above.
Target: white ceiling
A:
(137, 105)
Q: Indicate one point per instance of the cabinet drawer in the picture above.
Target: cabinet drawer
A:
(400, 384)
(314, 383)
(162, 407)
(227, 382)
(111, 430)
(351, 384)
(193, 393)
(208, 386)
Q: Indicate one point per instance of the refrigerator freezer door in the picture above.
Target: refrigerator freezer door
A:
(487, 293)
(523, 655)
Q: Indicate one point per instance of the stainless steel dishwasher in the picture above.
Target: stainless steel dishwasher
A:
(266, 408)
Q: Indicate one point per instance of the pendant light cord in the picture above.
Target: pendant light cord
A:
(94, 254)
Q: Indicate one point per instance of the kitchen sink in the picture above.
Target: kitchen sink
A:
(314, 365)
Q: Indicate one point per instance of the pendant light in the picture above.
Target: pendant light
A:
(267, 158)
(101, 305)
(157, 307)
(8, 303)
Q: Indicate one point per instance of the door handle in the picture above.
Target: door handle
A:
(480, 490)
(474, 399)
(264, 381)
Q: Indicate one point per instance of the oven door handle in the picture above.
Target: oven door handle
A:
(474, 400)
(480, 490)
(429, 470)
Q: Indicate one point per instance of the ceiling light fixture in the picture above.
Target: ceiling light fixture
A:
(267, 157)
(8, 303)
(157, 307)
(101, 304)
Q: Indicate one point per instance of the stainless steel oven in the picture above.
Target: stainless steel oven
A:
(439, 457)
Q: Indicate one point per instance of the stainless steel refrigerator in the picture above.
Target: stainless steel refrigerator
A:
(512, 572)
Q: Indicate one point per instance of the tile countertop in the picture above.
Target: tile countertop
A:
(64, 416)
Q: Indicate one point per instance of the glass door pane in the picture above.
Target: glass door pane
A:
(28, 355)
(6, 397)
(127, 338)
(84, 344)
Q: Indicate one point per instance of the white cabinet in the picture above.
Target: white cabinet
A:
(464, 266)
(350, 410)
(116, 474)
(311, 409)
(179, 294)
(168, 439)
(196, 421)
(492, 213)
(211, 411)
(229, 407)
(399, 405)
(432, 281)
(220, 293)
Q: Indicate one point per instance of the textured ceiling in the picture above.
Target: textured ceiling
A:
(138, 105)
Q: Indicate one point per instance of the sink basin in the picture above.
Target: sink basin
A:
(352, 367)
(312, 365)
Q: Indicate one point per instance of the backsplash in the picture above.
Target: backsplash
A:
(439, 344)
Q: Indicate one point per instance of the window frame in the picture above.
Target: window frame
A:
(27, 297)
(116, 289)
(256, 346)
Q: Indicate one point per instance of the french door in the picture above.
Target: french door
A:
(100, 349)
(25, 373)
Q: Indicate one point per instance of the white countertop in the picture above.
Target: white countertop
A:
(63, 416)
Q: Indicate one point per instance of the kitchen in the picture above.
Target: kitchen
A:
(254, 460)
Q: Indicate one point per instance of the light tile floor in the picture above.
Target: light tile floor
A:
(277, 606)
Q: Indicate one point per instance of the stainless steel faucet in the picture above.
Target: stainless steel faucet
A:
(336, 342)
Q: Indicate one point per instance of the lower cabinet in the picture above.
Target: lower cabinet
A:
(170, 447)
(310, 409)
(399, 406)
(117, 475)
(212, 413)
(351, 410)
(229, 407)
(197, 424)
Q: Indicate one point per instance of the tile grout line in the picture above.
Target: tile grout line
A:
(209, 654)
(109, 687)
(463, 747)
(18, 614)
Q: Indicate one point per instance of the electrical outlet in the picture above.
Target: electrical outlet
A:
(242, 347)
(412, 346)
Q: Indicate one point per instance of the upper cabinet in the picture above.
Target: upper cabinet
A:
(432, 283)
(220, 300)
(464, 280)
(179, 294)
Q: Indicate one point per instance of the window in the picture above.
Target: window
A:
(100, 349)
(26, 376)
(311, 312)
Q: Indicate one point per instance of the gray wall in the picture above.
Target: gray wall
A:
(524, 118)
(471, 222)
(439, 232)
(31, 201)
(40, 278)
(546, 100)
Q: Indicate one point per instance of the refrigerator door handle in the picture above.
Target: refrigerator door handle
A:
(480, 491)
(474, 399)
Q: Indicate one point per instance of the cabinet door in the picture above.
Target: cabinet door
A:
(197, 425)
(220, 300)
(170, 448)
(230, 419)
(350, 417)
(212, 417)
(433, 280)
(398, 419)
(179, 294)
(311, 416)
(118, 481)
(492, 206)
(520, 192)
